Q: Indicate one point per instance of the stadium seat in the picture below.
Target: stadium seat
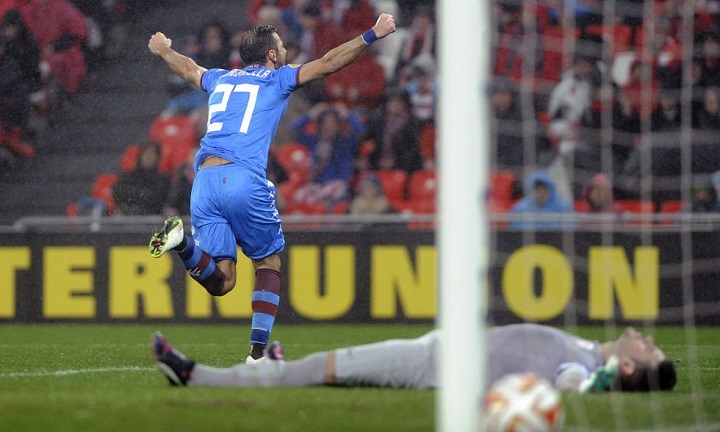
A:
(422, 186)
(366, 148)
(102, 189)
(581, 206)
(419, 208)
(296, 160)
(497, 205)
(71, 210)
(617, 35)
(296, 208)
(671, 207)
(307, 209)
(287, 189)
(176, 136)
(501, 185)
(393, 183)
(637, 206)
(426, 143)
(341, 207)
(128, 160)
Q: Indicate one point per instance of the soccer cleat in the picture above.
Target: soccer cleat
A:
(257, 352)
(171, 362)
(272, 352)
(251, 360)
(168, 237)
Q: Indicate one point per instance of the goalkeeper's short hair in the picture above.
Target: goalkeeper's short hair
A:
(646, 378)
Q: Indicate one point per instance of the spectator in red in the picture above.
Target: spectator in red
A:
(420, 38)
(508, 54)
(318, 35)
(394, 134)
(660, 49)
(61, 31)
(6, 5)
(598, 194)
(641, 90)
(351, 16)
(710, 63)
(359, 86)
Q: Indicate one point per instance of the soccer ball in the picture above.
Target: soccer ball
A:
(522, 402)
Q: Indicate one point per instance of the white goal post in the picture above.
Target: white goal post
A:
(463, 149)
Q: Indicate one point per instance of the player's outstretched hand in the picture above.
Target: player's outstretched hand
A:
(384, 26)
(159, 44)
(603, 379)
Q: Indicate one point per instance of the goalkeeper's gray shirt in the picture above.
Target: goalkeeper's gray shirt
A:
(542, 350)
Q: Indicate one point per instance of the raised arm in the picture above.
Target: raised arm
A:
(180, 65)
(341, 56)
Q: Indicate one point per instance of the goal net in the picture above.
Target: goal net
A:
(603, 184)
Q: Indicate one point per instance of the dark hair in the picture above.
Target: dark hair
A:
(255, 44)
(646, 378)
(312, 11)
(397, 93)
(12, 17)
(224, 33)
(146, 146)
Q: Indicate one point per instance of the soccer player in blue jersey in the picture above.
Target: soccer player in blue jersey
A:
(632, 362)
(232, 203)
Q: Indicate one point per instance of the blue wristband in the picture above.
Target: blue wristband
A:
(369, 37)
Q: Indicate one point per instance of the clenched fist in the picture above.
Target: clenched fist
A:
(159, 44)
(384, 26)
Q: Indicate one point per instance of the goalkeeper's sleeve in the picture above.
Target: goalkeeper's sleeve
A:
(569, 376)
(602, 379)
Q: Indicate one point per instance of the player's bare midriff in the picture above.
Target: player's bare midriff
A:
(214, 161)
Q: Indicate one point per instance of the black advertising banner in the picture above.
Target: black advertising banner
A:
(370, 275)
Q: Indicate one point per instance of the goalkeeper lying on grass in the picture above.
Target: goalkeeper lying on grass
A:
(630, 363)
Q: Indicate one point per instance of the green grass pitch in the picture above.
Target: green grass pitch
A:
(99, 377)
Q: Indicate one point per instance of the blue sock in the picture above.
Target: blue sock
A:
(265, 301)
(201, 267)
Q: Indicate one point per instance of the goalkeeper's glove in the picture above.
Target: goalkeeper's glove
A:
(603, 379)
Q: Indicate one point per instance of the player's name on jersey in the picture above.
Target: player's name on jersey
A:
(260, 73)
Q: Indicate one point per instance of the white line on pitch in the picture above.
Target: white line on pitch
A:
(707, 427)
(74, 372)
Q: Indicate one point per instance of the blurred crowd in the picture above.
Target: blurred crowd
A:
(590, 99)
(618, 95)
(47, 49)
(347, 144)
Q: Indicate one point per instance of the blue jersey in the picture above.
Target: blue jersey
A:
(244, 109)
